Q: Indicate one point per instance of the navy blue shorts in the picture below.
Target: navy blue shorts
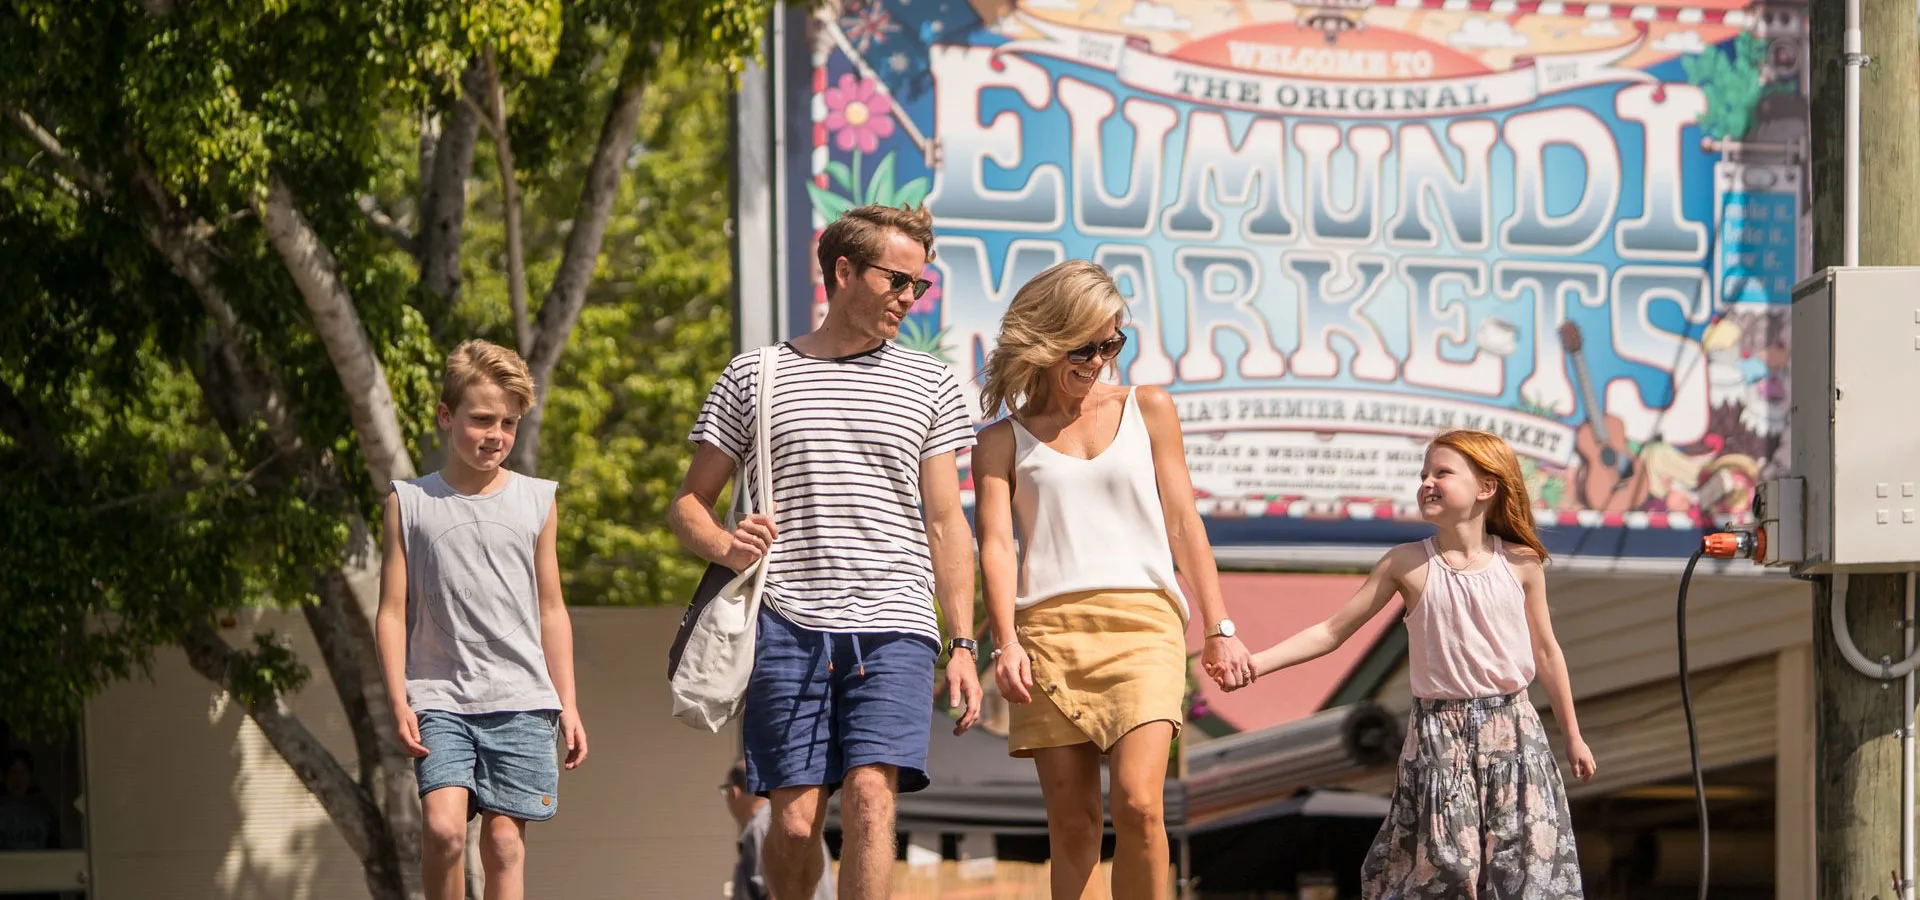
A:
(820, 704)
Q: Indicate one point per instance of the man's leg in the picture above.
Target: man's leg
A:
(884, 701)
(787, 730)
(866, 814)
(1070, 785)
(1138, 773)
(503, 856)
(791, 858)
(443, 843)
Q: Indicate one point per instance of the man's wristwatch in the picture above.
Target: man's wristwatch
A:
(1224, 629)
(968, 644)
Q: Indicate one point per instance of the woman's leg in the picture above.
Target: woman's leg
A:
(1137, 771)
(1070, 782)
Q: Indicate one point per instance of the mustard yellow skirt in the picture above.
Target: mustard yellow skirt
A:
(1104, 663)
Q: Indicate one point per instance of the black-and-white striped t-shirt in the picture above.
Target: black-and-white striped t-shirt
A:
(848, 437)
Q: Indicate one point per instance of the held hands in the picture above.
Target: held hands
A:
(576, 735)
(1227, 661)
(963, 690)
(750, 541)
(1013, 672)
(1581, 759)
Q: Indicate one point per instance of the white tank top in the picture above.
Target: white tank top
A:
(1091, 524)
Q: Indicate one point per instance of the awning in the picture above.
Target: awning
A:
(1249, 777)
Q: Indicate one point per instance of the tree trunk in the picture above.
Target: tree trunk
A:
(496, 101)
(351, 807)
(443, 201)
(369, 400)
(568, 294)
(1858, 770)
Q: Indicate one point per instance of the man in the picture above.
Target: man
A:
(751, 813)
(870, 532)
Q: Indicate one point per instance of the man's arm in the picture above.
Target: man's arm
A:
(950, 542)
(692, 520)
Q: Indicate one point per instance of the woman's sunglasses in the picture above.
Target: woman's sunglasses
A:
(898, 281)
(1107, 349)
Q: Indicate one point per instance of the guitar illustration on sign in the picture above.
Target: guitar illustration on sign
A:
(1611, 478)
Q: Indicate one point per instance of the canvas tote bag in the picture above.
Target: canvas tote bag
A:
(712, 655)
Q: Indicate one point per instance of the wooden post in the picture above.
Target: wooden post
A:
(1858, 760)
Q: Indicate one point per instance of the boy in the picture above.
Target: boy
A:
(475, 642)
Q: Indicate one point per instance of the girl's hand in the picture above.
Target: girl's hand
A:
(1581, 759)
(1013, 672)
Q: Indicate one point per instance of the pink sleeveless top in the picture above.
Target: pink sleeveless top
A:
(1468, 635)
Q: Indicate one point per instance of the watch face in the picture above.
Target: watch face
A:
(1226, 628)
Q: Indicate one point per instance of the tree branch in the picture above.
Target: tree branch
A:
(17, 423)
(50, 145)
(561, 309)
(376, 422)
(510, 192)
(443, 200)
(386, 226)
(349, 805)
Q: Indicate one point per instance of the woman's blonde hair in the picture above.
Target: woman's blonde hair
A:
(1062, 308)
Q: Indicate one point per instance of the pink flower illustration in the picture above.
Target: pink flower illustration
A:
(931, 298)
(857, 114)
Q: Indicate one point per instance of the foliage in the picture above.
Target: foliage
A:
(1732, 84)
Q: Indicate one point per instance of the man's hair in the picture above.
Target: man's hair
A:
(737, 776)
(475, 360)
(860, 235)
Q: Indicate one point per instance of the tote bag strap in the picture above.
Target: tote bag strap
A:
(739, 504)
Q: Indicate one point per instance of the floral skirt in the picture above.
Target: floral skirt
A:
(1479, 811)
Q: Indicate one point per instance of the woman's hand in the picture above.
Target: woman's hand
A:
(1013, 672)
(1227, 660)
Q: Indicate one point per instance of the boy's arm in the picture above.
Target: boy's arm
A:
(1550, 665)
(950, 542)
(1323, 638)
(390, 628)
(556, 637)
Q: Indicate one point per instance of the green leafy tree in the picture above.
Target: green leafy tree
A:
(235, 240)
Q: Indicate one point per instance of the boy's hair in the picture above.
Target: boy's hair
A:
(860, 235)
(1511, 514)
(737, 776)
(477, 359)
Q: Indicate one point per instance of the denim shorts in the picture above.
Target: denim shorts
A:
(820, 704)
(508, 761)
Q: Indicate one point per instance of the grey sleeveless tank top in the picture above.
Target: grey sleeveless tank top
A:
(473, 602)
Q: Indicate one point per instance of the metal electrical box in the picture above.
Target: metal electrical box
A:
(1855, 417)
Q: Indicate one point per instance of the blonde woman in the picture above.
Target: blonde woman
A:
(1087, 616)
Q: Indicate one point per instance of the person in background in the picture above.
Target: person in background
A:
(754, 814)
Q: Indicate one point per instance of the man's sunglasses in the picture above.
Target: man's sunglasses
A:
(898, 281)
(1107, 349)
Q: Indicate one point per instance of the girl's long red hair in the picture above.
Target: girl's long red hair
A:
(1511, 513)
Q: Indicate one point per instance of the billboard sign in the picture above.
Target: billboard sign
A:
(1345, 225)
